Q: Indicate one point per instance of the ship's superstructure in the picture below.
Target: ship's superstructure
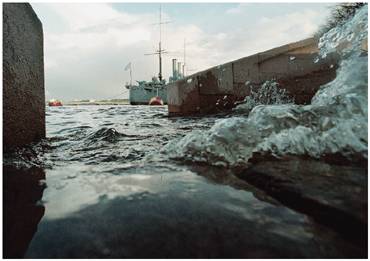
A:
(141, 93)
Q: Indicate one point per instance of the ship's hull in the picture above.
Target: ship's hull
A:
(142, 96)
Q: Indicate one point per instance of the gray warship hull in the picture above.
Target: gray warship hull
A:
(140, 95)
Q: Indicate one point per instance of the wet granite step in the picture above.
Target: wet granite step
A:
(334, 195)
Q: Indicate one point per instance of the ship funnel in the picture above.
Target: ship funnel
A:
(174, 68)
(179, 68)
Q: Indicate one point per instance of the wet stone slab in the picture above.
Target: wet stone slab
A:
(334, 195)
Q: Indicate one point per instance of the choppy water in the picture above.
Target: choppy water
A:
(109, 193)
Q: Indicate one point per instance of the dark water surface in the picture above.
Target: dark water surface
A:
(101, 189)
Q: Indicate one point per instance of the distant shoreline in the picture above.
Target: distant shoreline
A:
(95, 103)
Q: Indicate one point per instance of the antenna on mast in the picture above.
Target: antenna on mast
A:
(160, 51)
(183, 66)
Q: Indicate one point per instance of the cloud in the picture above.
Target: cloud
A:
(87, 46)
(237, 10)
(267, 33)
(86, 59)
(234, 10)
(80, 16)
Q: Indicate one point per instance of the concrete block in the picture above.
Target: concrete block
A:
(309, 45)
(208, 82)
(246, 70)
(272, 53)
(183, 96)
(23, 76)
(218, 88)
(276, 65)
(217, 80)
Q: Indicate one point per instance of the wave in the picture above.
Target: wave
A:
(105, 134)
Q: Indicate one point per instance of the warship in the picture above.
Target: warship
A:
(144, 91)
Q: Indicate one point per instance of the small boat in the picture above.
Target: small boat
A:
(55, 103)
(156, 101)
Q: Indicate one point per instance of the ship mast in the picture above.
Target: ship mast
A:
(160, 42)
(160, 51)
(183, 66)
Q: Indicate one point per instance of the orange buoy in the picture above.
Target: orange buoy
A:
(55, 103)
(156, 101)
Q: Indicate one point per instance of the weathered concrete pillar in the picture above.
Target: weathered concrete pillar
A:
(23, 76)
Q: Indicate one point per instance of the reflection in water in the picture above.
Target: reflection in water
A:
(23, 188)
(185, 217)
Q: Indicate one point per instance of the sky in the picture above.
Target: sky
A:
(87, 46)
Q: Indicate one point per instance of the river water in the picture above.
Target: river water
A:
(100, 188)
(129, 181)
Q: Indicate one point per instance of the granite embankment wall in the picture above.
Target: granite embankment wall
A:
(23, 76)
(218, 88)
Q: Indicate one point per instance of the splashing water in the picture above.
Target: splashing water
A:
(267, 93)
(335, 123)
